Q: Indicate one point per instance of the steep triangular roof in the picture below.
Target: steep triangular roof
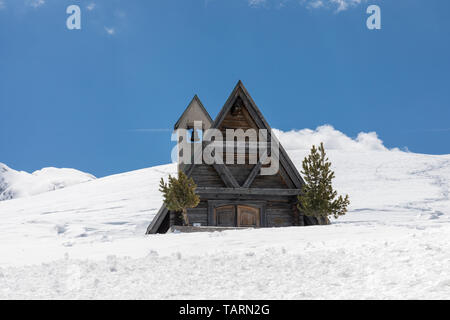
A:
(241, 92)
(195, 108)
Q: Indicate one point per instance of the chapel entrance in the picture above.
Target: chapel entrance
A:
(237, 216)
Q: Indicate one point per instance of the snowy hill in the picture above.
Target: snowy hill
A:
(87, 241)
(19, 184)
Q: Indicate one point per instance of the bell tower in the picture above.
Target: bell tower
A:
(194, 120)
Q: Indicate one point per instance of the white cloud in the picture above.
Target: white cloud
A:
(2, 4)
(315, 4)
(91, 6)
(338, 5)
(257, 3)
(331, 138)
(110, 31)
(36, 3)
(344, 4)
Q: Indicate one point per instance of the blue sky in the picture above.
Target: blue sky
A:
(75, 98)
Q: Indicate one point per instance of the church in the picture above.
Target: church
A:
(234, 195)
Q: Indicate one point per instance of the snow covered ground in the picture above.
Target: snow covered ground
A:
(87, 240)
(19, 184)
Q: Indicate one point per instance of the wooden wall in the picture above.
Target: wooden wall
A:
(199, 214)
(206, 176)
(278, 213)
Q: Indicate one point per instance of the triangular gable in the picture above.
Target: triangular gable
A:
(195, 111)
(240, 92)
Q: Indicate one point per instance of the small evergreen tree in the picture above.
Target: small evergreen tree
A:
(318, 199)
(179, 194)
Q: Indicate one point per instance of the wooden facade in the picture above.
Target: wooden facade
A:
(237, 195)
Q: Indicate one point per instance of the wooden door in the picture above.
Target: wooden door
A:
(248, 216)
(225, 216)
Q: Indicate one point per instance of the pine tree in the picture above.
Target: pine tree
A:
(318, 199)
(179, 194)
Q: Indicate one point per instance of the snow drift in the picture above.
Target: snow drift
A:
(18, 184)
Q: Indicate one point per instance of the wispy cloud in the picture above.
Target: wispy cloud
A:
(151, 130)
(337, 5)
(110, 31)
(315, 4)
(257, 3)
(91, 6)
(35, 3)
(27, 3)
(110, 18)
(345, 4)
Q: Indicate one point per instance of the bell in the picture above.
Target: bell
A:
(194, 136)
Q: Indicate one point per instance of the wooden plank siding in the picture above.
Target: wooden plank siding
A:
(264, 182)
(239, 119)
(280, 214)
(206, 176)
(240, 171)
(198, 215)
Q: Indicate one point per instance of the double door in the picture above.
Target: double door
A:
(237, 216)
